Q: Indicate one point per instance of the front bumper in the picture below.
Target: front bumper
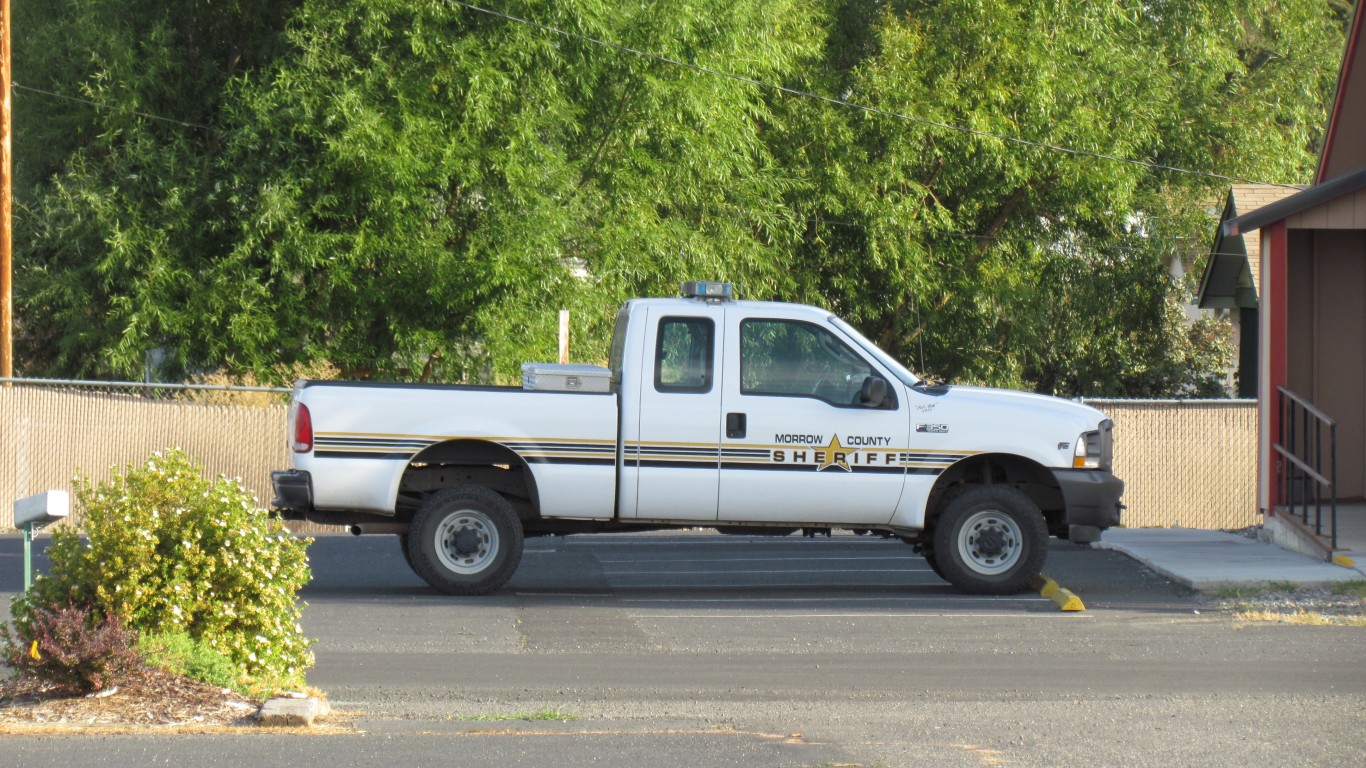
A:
(293, 493)
(1091, 497)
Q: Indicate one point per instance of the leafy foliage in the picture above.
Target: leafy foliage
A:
(409, 189)
(70, 646)
(1013, 264)
(180, 654)
(168, 551)
(114, 208)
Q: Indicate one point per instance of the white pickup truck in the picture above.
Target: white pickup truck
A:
(750, 417)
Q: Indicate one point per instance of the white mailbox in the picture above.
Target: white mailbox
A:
(42, 509)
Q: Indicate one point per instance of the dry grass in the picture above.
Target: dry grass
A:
(1301, 618)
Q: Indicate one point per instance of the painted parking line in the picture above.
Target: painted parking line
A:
(836, 598)
(742, 559)
(769, 585)
(788, 616)
(767, 541)
(741, 572)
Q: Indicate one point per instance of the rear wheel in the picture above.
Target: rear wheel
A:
(465, 540)
(990, 540)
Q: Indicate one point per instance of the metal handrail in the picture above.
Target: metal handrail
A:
(1308, 470)
(1300, 443)
(1308, 406)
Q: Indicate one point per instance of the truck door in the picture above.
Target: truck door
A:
(799, 443)
(673, 446)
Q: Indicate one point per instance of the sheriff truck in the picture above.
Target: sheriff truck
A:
(746, 416)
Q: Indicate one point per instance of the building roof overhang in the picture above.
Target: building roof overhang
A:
(1231, 279)
(1283, 209)
(1227, 283)
(1224, 269)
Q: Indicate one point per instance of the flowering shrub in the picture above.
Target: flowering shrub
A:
(71, 647)
(171, 552)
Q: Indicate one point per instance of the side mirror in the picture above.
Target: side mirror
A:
(873, 393)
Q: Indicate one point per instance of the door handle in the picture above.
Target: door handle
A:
(735, 425)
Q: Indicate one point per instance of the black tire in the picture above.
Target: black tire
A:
(465, 540)
(403, 547)
(927, 552)
(990, 540)
(930, 558)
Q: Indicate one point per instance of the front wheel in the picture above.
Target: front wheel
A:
(990, 540)
(933, 562)
(465, 540)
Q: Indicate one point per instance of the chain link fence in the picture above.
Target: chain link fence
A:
(52, 431)
(1188, 463)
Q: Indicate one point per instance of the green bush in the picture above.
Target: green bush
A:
(180, 654)
(71, 647)
(171, 552)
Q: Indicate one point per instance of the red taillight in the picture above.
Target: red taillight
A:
(303, 429)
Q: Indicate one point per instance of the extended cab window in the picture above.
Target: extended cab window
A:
(684, 354)
(787, 357)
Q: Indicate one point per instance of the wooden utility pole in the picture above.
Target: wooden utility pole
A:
(6, 165)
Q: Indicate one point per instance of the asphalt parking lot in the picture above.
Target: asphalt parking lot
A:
(699, 649)
(703, 568)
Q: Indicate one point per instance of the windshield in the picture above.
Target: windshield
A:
(897, 369)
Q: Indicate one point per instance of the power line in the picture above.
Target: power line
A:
(98, 105)
(854, 105)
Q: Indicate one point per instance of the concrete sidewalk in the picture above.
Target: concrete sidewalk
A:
(1201, 559)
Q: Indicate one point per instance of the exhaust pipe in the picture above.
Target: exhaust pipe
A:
(365, 529)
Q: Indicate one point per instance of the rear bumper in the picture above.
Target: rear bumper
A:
(1091, 497)
(293, 493)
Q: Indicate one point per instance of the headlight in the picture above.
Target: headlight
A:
(1095, 450)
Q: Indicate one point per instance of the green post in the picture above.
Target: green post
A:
(28, 556)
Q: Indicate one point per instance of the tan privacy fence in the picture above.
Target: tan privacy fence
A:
(51, 434)
(1185, 463)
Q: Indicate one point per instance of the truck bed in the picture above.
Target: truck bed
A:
(568, 440)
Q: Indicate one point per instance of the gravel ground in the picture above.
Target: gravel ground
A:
(1342, 603)
(1335, 605)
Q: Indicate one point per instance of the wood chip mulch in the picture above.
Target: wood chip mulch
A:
(150, 697)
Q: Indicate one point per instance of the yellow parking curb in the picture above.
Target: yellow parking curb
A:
(1065, 598)
(1344, 561)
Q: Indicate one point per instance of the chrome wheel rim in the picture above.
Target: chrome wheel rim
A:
(990, 542)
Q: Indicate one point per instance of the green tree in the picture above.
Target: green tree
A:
(1016, 264)
(410, 188)
(111, 203)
